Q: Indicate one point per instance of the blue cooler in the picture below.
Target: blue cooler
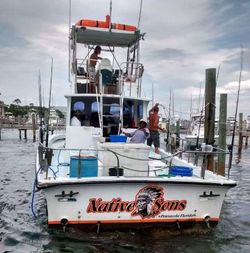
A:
(181, 171)
(118, 138)
(88, 166)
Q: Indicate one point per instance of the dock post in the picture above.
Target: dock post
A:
(34, 127)
(177, 132)
(20, 134)
(246, 141)
(210, 93)
(25, 134)
(240, 136)
(222, 134)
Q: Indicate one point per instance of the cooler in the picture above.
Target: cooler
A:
(88, 166)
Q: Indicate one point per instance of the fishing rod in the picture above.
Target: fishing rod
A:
(139, 18)
(50, 89)
(40, 106)
(69, 44)
(235, 116)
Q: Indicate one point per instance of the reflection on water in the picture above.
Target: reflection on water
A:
(21, 232)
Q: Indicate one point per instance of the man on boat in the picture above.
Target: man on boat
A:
(141, 134)
(76, 119)
(154, 128)
(92, 63)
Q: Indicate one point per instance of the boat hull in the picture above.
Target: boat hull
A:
(134, 204)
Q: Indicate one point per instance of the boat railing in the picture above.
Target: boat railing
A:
(126, 79)
(52, 160)
(206, 156)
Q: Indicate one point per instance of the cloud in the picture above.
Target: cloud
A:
(183, 38)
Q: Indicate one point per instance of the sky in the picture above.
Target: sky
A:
(183, 38)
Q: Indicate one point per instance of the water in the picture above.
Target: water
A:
(21, 232)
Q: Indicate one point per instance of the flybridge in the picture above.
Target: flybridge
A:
(94, 36)
(105, 33)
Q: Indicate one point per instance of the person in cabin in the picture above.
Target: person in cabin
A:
(154, 128)
(141, 134)
(94, 57)
(76, 119)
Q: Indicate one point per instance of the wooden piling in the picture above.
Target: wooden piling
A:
(240, 141)
(222, 133)
(210, 92)
(20, 133)
(0, 133)
(177, 132)
(246, 141)
(34, 127)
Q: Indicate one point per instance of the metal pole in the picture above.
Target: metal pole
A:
(240, 141)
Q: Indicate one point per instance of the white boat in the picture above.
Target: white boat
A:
(90, 179)
(196, 136)
(248, 123)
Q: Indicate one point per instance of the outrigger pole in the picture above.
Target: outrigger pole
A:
(69, 79)
(47, 127)
(110, 15)
(139, 19)
(235, 116)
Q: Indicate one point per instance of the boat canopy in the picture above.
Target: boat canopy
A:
(105, 38)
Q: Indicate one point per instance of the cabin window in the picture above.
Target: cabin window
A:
(94, 117)
(77, 113)
(140, 111)
(79, 106)
(94, 107)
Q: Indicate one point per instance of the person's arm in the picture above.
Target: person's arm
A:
(129, 134)
(152, 109)
(146, 132)
(162, 129)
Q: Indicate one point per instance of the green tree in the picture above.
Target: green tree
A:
(17, 101)
(60, 114)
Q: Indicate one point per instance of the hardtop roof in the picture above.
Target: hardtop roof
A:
(104, 37)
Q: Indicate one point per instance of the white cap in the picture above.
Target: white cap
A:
(143, 120)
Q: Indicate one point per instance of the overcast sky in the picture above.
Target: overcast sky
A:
(183, 38)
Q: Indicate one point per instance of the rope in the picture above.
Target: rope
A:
(144, 170)
(33, 195)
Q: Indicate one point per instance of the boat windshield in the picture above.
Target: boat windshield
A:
(87, 112)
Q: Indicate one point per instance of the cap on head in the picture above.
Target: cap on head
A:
(143, 120)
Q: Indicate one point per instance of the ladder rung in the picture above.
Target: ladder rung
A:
(114, 116)
(111, 105)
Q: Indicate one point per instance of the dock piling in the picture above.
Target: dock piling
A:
(222, 134)
(240, 143)
(210, 93)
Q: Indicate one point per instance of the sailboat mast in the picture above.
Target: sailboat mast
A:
(235, 116)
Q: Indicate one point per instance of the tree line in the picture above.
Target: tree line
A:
(16, 109)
